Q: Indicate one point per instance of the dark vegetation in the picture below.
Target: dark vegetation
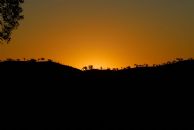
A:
(53, 95)
(39, 94)
(10, 15)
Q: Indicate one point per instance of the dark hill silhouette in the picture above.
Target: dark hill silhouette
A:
(54, 95)
(44, 70)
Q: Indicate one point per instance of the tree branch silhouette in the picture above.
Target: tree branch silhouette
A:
(10, 15)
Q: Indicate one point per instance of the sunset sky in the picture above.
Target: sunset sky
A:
(107, 33)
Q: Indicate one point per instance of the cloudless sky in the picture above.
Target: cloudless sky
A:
(108, 33)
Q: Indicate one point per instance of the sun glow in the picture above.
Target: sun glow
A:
(96, 61)
(108, 34)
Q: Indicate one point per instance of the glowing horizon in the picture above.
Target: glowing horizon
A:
(107, 33)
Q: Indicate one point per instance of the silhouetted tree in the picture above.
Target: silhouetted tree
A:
(154, 65)
(90, 67)
(32, 60)
(9, 59)
(146, 65)
(49, 60)
(115, 69)
(42, 59)
(136, 65)
(85, 68)
(10, 15)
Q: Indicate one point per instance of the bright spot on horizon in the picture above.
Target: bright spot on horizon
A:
(107, 33)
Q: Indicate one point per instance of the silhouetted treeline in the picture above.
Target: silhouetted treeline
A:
(53, 95)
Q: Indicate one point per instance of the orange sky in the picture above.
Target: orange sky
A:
(108, 33)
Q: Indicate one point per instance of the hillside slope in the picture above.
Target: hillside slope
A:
(50, 95)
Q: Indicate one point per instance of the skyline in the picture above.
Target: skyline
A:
(107, 33)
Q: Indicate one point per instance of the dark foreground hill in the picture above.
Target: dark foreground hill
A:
(53, 95)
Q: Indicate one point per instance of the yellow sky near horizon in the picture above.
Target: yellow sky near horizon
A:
(107, 33)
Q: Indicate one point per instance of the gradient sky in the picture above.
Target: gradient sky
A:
(108, 33)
